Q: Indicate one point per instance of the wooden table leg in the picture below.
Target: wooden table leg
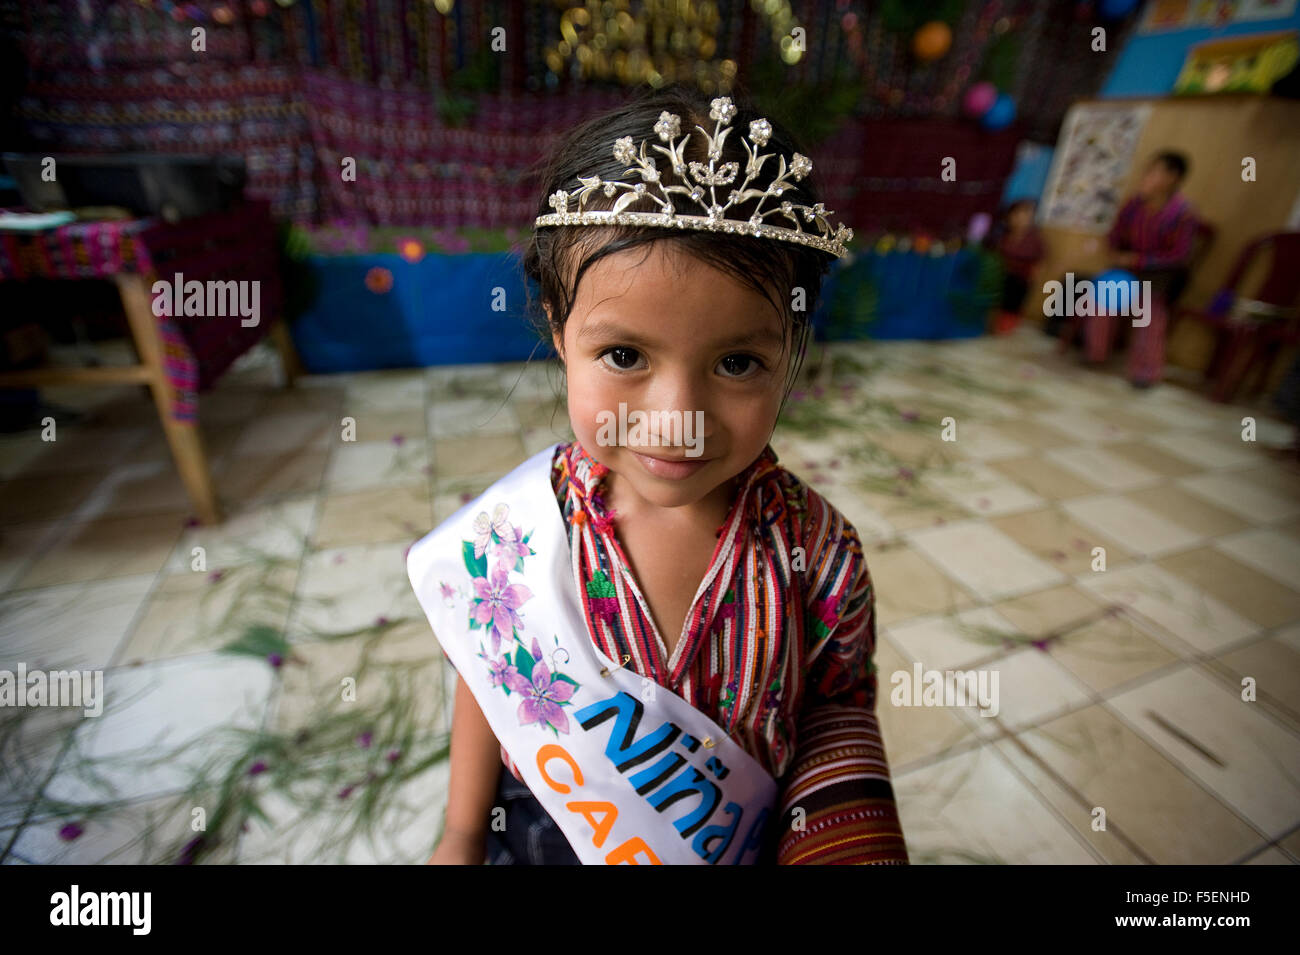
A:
(289, 360)
(183, 436)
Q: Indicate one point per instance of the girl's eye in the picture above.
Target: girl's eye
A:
(621, 359)
(738, 366)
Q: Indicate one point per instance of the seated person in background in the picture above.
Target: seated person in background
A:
(1021, 249)
(1152, 238)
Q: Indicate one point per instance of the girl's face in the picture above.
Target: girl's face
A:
(703, 357)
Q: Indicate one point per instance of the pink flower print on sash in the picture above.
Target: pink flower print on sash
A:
(542, 697)
(602, 596)
(543, 692)
(486, 528)
(496, 603)
(512, 547)
(500, 670)
(507, 543)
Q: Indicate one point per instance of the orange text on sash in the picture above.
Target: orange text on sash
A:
(624, 854)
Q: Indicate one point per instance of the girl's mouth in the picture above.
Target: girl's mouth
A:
(673, 469)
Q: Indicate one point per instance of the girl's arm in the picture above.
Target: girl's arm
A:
(839, 777)
(475, 770)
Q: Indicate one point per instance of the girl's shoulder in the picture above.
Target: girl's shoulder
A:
(816, 525)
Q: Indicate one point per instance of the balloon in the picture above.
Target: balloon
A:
(932, 41)
(1118, 295)
(1001, 113)
(979, 99)
(1117, 9)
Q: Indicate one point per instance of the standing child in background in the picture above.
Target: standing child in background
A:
(1021, 249)
(663, 635)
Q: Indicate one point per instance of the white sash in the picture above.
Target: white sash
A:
(630, 771)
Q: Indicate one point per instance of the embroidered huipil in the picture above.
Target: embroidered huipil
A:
(1161, 238)
(776, 649)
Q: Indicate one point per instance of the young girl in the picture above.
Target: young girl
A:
(1021, 249)
(665, 636)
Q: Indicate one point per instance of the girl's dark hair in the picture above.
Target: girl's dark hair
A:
(557, 257)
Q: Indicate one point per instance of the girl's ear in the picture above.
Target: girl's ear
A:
(556, 338)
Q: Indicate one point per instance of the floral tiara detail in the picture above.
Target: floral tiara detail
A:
(704, 193)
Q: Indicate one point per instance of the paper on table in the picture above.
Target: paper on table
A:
(35, 221)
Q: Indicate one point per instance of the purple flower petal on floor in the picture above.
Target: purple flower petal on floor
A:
(365, 739)
(257, 768)
(275, 660)
(71, 831)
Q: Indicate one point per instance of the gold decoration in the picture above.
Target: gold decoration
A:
(655, 42)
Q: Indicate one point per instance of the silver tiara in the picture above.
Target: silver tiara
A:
(704, 193)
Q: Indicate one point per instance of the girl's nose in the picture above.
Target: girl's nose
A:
(684, 393)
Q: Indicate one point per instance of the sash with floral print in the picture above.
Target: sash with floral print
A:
(630, 772)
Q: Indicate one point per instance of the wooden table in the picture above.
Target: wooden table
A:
(178, 355)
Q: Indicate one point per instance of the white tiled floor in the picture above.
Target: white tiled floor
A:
(1114, 684)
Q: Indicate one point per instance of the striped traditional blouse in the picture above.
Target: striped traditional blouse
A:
(777, 649)
(1162, 238)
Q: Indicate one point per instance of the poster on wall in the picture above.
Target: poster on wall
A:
(1246, 64)
(1164, 15)
(1091, 165)
(1161, 15)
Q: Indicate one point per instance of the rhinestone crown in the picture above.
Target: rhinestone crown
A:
(704, 193)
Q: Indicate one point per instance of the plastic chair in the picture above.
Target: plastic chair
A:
(1249, 332)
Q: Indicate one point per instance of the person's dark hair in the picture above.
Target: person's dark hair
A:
(1174, 162)
(557, 257)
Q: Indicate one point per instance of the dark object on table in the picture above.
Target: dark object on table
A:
(170, 187)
